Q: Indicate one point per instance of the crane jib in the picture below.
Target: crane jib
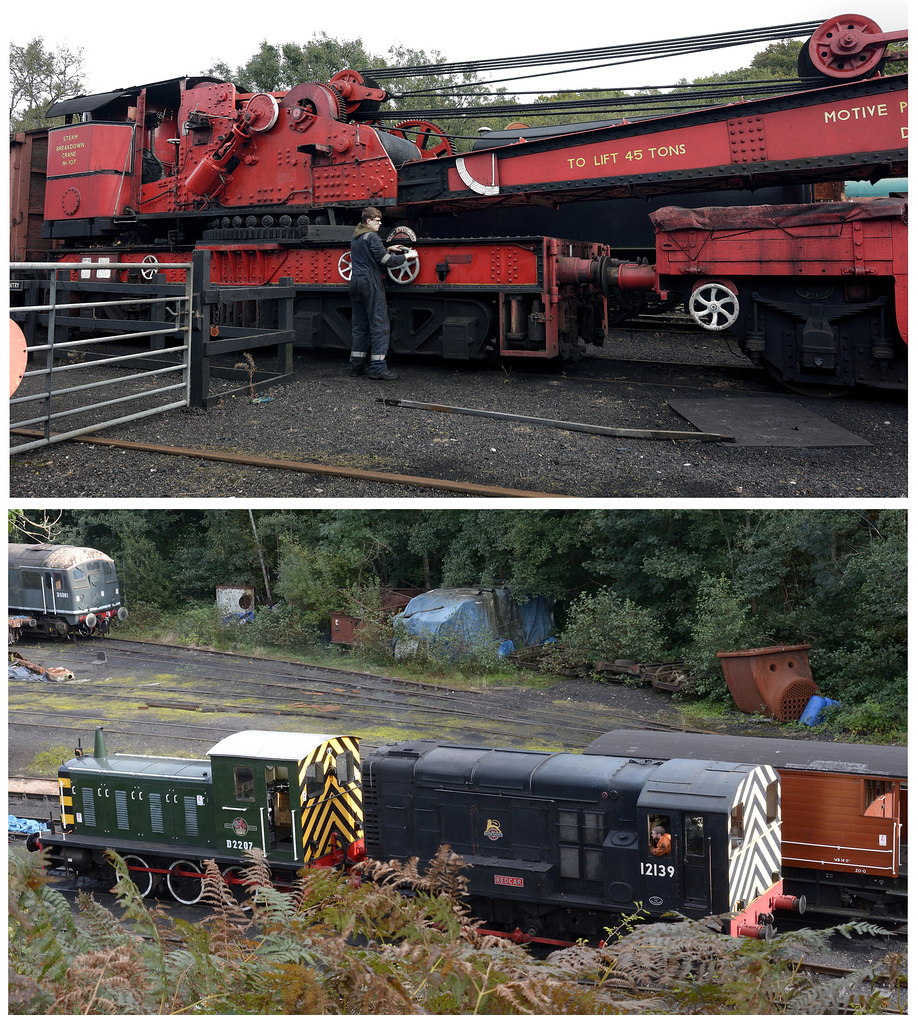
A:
(837, 132)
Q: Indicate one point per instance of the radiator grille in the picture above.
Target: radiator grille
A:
(191, 816)
(156, 812)
(121, 810)
(89, 807)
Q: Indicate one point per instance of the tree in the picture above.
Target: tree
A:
(281, 66)
(779, 60)
(38, 77)
(32, 526)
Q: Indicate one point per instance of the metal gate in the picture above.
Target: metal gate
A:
(87, 377)
(127, 340)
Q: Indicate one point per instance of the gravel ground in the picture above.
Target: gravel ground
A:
(325, 417)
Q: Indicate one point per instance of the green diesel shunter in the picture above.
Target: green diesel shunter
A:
(295, 796)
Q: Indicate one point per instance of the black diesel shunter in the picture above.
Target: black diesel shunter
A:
(560, 844)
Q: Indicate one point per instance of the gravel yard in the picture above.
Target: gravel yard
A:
(325, 417)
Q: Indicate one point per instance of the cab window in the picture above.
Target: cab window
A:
(244, 781)
(659, 835)
(737, 827)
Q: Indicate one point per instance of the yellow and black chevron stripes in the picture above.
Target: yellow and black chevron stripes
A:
(330, 799)
(66, 795)
(756, 863)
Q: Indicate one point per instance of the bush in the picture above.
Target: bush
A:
(280, 626)
(326, 947)
(870, 718)
(329, 947)
(143, 617)
(449, 651)
(374, 641)
(721, 624)
(606, 626)
(201, 626)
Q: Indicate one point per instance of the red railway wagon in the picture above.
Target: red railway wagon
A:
(831, 277)
(844, 810)
(271, 185)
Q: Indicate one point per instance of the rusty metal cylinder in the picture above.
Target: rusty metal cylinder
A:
(572, 270)
(637, 277)
(517, 319)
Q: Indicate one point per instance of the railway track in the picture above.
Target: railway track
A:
(218, 685)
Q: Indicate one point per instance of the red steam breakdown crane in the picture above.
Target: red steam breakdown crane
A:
(271, 185)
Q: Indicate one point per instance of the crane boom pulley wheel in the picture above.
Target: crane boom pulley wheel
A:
(849, 47)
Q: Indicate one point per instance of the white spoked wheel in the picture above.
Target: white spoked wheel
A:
(151, 263)
(185, 889)
(344, 266)
(714, 306)
(140, 873)
(408, 271)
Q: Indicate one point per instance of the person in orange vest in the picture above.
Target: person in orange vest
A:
(661, 842)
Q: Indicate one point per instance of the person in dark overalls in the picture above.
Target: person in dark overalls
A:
(369, 315)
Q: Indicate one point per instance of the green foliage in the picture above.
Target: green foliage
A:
(280, 626)
(404, 944)
(721, 624)
(605, 626)
(327, 946)
(38, 77)
(280, 66)
(454, 650)
(202, 627)
(144, 618)
(46, 762)
(877, 719)
(313, 580)
(689, 582)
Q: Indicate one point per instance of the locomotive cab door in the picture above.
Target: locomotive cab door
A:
(54, 591)
(696, 865)
(253, 808)
(659, 864)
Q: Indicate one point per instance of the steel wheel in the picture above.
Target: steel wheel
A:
(842, 48)
(139, 873)
(713, 306)
(430, 138)
(186, 890)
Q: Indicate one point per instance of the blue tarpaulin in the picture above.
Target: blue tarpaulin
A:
(461, 618)
(25, 825)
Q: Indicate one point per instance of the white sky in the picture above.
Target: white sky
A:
(126, 46)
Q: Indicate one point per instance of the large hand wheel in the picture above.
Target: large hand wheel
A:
(404, 274)
(149, 271)
(344, 266)
(408, 271)
(713, 306)
(430, 138)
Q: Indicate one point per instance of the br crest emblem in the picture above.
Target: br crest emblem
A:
(492, 831)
